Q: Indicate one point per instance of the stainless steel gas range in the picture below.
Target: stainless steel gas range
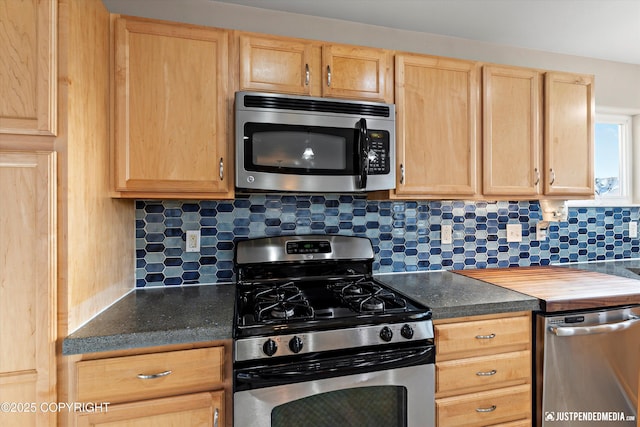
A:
(319, 342)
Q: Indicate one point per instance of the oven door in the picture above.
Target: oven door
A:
(326, 157)
(386, 389)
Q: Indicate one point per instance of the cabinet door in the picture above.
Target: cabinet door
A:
(437, 108)
(27, 287)
(195, 410)
(511, 131)
(569, 128)
(171, 103)
(355, 72)
(28, 67)
(275, 65)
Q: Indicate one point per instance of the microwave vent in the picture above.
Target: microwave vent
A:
(282, 103)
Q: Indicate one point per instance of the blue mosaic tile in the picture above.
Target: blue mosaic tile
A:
(405, 234)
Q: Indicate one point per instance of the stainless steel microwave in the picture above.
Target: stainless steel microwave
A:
(306, 144)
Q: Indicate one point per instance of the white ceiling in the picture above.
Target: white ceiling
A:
(603, 29)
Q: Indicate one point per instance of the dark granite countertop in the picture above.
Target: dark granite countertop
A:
(158, 316)
(178, 315)
(450, 295)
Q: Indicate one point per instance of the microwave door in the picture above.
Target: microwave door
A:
(363, 153)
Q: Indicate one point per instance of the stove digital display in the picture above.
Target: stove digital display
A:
(308, 247)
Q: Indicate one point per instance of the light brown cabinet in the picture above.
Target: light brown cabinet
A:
(27, 287)
(28, 67)
(197, 410)
(511, 143)
(516, 163)
(568, 133)
(304, 67)
(167, 388)
(483, 370)
(172, 111)
(437, 127)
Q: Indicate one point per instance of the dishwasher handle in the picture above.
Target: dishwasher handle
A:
(568, 331)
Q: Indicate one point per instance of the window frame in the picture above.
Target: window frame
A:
(627, 153)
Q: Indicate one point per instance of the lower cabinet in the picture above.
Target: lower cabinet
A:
(483, 371)
(201, 409)
(169, 388)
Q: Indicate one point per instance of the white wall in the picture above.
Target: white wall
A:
(617, 84)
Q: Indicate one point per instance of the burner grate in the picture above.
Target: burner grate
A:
(281, 302)
(366, 296)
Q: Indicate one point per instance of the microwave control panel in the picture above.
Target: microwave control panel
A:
(378, 156)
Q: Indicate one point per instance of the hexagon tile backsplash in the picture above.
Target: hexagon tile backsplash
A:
(405, 234)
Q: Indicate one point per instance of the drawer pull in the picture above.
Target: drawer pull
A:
(215, 418)
(489, 409)
(485, 337)
(486, 374)
(153, 376)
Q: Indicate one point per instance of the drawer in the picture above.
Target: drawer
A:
(485, 408)
(129, 378)
(485, 371)
(478, 335)
(519, 423)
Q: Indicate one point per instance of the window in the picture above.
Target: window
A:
(612, 161)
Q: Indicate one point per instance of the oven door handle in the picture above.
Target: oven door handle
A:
(309, 370)
(363, 153)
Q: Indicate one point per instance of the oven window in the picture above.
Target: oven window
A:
(298, 149)
(377, 406)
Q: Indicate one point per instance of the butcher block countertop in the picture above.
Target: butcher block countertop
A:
(562, 288)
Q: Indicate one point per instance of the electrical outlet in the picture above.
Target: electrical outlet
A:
(541, 231)
(514, 233)
(193, 241)
(633, 230)
(446, 234)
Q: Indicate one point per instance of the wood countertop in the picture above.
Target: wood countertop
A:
(562, 288)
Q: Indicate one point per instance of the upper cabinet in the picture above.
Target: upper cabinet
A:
(172, 111)
(511, 140)
(569, 127)
(303, 67)
(28, 67)
(436, 129)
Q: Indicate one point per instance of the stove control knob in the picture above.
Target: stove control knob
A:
(406, 332)
(386, 334)
(270, 347)
(296, 344)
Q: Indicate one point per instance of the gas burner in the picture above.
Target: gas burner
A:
(372, 304)
(281, 302)
(282, 311)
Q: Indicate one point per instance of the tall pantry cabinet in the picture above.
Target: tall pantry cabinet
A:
(65, 243)
(27, 286)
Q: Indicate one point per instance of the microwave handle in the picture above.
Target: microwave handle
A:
(363, 150)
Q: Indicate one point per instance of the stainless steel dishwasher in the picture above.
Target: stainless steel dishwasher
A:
(588, 367)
